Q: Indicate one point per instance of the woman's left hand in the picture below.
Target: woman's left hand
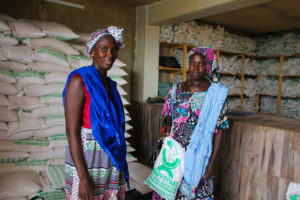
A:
(209, 171)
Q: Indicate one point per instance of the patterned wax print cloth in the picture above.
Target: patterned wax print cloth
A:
(108, 182)
(186, 110)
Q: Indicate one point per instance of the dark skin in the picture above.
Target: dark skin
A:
(104, 54)
(197, 83)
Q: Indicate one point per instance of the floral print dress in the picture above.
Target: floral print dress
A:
(185, 112)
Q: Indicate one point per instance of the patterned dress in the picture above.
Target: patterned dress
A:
(185, 111)
(108, 182)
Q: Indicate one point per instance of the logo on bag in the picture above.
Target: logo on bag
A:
(170, 159)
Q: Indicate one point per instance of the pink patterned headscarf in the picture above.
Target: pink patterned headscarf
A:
(210, 59)
(115, 31)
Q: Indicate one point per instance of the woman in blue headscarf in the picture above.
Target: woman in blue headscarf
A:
(195, 114)
(95, 160)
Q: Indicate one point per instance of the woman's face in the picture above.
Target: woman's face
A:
(105, 53)
(197, 66)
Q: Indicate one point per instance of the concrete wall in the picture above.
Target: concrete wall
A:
(97, 14)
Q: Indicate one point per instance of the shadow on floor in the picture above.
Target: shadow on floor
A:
(135, 195)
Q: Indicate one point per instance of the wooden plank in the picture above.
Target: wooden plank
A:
(242, 82)
(257, 95)
(184, 77)
(279, 86)
(171, 78)
(162, 68)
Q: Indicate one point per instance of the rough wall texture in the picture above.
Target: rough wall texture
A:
(97, 14)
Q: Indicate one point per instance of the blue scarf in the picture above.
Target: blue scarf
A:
(106, 116)
(200, 147)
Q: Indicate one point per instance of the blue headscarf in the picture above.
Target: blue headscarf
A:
(106, 116)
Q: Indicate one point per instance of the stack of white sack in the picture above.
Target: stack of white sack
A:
(238, 44)
(250, 66)
(290, 108)
(268, 105)
(284, 44)
(291, 66)
(33, 69)
(249, 104)
(206, 35)
(268, 85)
(233, 84)
(193, 33)
(232, 65)
(250, 87)
(233, 103)
(269, 66)
(290, 87)
(167, 34)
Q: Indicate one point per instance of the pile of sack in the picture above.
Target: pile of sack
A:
(36, 58)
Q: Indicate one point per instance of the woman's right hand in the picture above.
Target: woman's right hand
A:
(166, 130)
(85, 191)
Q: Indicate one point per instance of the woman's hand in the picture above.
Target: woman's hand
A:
(166, 130)
(85, 191)
(209, 171)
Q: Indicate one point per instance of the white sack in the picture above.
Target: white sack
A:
(3, 100)
(49, 110)
(26, 124)
(51, 154)
(56, 120)
(23, 29)
(40, 90)
(8, 89)
(25, 145)
(24, 102)
(22, 183)
(3, 26)
(52, 99)
(13, 66)
(119, 63)
(7, 40)
(116, 71)
(53, 43)
(12, 157)
(20, 53)
(29, 78)
(58, 140)
(47, 67)
(50, 131)
(7, 76)
(56, 77)
(16, 136)
(77, 61)
(121, 90)
(56, 30)
(50, 55)
(8, 116)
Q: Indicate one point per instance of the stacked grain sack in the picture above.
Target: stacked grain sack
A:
(283, 44)
(34, 69)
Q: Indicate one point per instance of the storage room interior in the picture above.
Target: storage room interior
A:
(257, 44)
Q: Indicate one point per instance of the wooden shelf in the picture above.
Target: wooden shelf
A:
(278, 56)
(162, 68)
(174, 44)
(291, 75)
(241, 75)
(290, 97)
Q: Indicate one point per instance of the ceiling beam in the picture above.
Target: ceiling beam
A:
(176, 11)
